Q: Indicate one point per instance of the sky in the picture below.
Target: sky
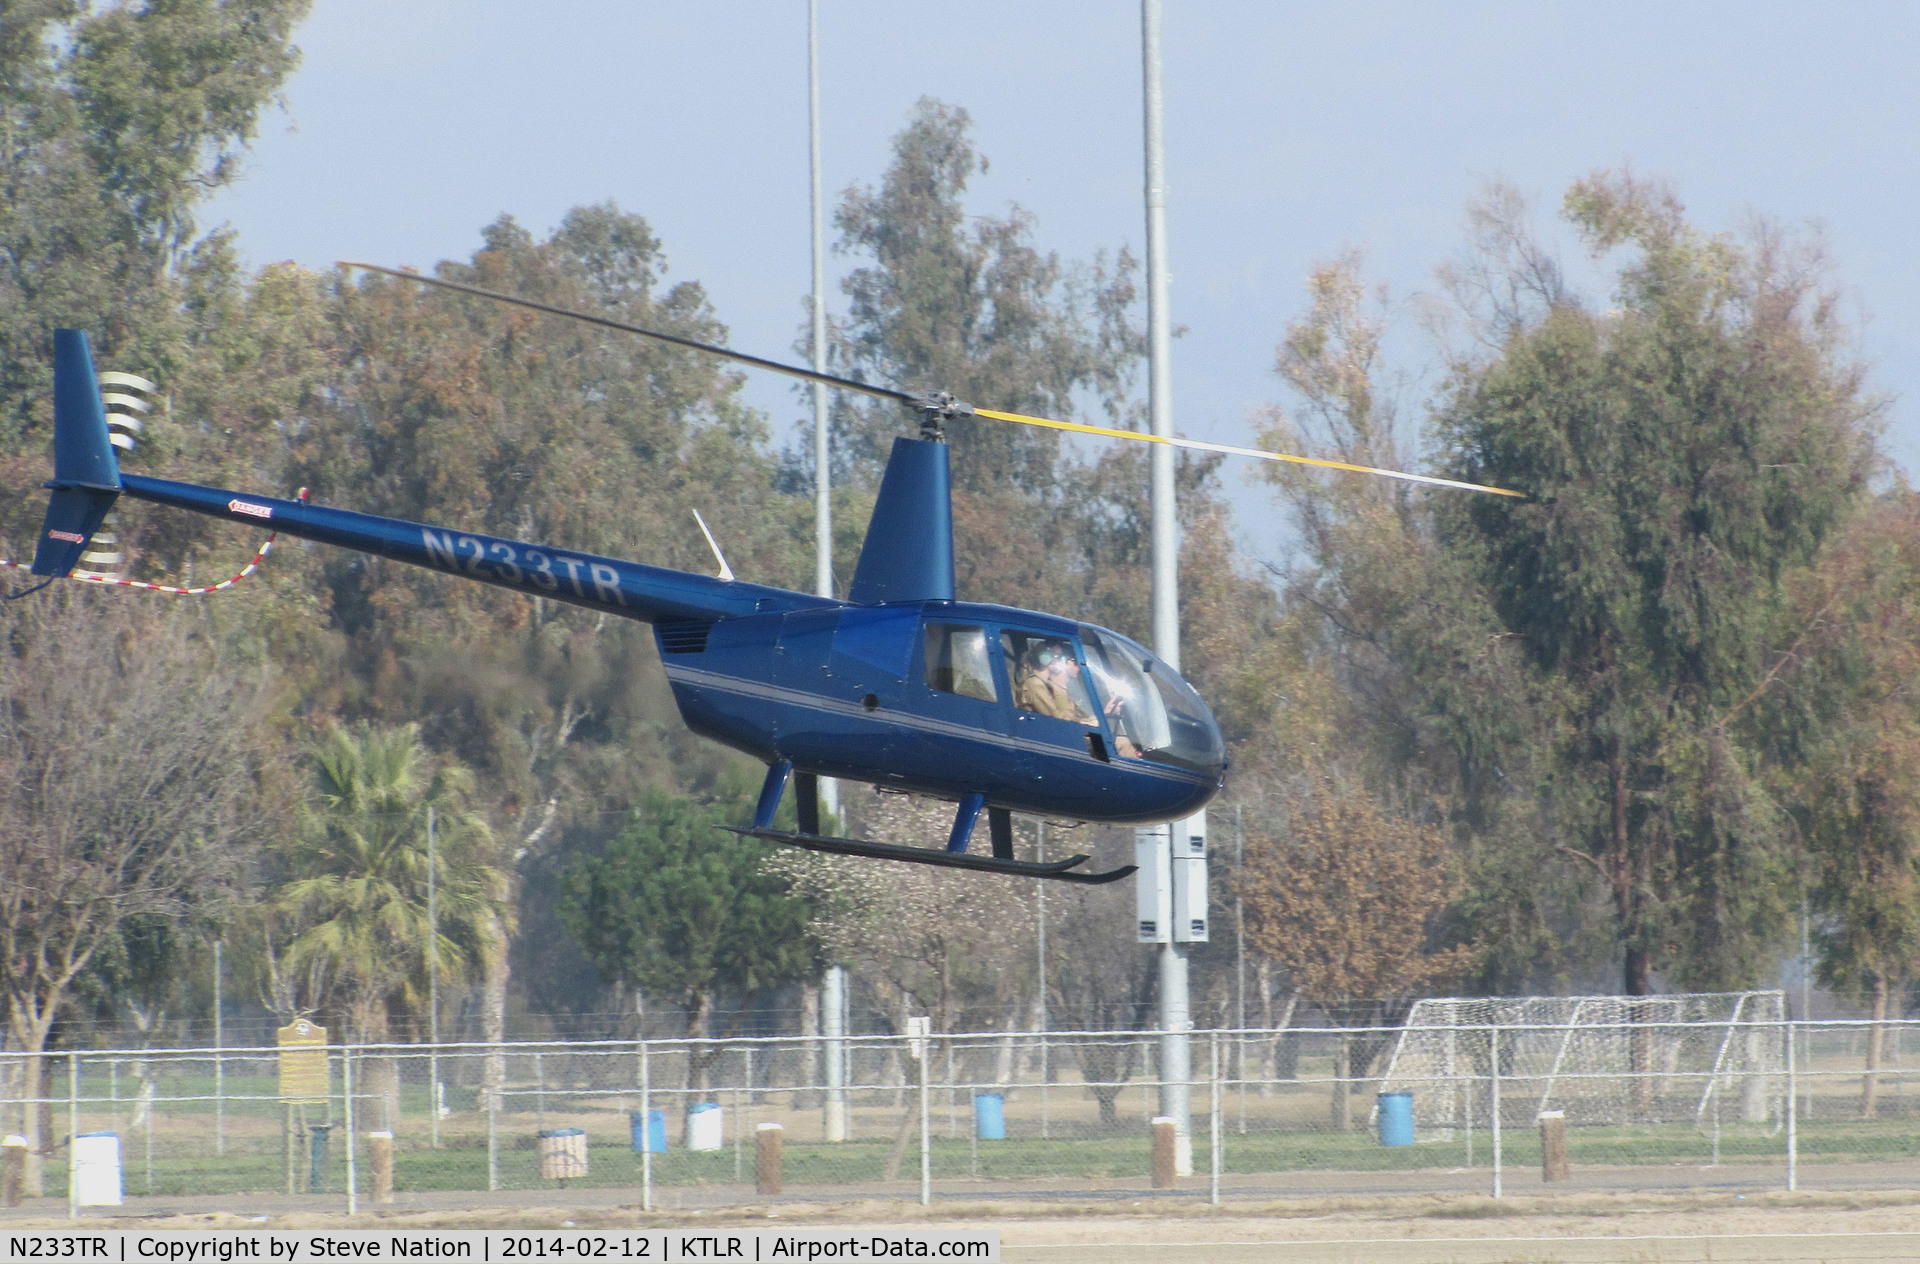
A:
(1294, 132)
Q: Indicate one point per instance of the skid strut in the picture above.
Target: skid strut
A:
(953, 856)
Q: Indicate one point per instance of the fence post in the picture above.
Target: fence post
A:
(73, 1130)
(1793, 1148)
(1046, 1078)
(766, 1158)
(493, 1094)
(1493, 1066)
(1240, 1073)
(13, 1170)
(219, 1065)
(1164, 1158)
(926, 1128)
(646, 1116)
(1553, 1146)
(380, 1158)
(353, 1191)
(1213, 1159)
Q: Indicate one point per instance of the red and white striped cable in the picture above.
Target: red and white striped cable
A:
(265, 548)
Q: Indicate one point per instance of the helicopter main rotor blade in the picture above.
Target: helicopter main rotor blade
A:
(1258, 454)
(943, 404)
(607, 322)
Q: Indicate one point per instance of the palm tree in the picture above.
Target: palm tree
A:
(358, 889)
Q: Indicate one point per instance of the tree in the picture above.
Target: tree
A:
(458, 410)
(1684, 453)
(113, 126)
(125, 788)
(1347, 902)
(1567, 672)
(965, 303)
(1391, 672)
(928, 942)
(684, 911)
(358, 890)
(1848, 732)
(946, 298)
(1099, 984)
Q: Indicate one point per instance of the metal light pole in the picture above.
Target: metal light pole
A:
(833, 993)
(1176, 1021)
(433, 980)
(822, 482)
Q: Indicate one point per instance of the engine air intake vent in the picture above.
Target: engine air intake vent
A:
(682, 636)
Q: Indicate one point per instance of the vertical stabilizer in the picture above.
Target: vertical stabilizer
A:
(86, 477)
(908, 555)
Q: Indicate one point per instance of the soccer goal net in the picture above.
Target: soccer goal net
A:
(1702, 1057)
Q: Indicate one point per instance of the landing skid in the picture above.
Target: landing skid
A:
(1057, 870)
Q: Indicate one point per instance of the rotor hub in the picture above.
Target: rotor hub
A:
(936, 409)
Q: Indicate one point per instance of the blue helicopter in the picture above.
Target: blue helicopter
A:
(901, 685)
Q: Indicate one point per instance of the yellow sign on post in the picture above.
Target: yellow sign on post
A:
(304, 1077)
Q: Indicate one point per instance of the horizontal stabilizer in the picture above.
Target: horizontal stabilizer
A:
(1057, 870)
(73, 515)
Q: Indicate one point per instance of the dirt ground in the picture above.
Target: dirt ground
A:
(1573, 1228)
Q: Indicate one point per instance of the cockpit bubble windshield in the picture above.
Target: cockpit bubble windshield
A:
(1152, 710)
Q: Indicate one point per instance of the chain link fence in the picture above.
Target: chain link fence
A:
(1741, 1100)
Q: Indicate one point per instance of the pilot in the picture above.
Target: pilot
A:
(1047, 689)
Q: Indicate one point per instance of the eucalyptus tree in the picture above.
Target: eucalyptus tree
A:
(1685, 451)
(1571, 677)
(116, 122)
(947, 299)
(1846, 725)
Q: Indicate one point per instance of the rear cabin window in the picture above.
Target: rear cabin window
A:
(957, 661)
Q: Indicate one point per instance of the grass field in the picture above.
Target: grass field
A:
(1287, 1133)
(461, 1164)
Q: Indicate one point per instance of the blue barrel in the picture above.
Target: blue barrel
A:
(649, 1131)
(1396, 1119)
(989, 1117)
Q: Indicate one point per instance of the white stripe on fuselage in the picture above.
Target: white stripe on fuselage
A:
(926, 724)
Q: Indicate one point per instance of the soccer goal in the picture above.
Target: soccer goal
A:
(1698, 1057)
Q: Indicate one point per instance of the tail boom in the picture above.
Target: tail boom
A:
(629, 589)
